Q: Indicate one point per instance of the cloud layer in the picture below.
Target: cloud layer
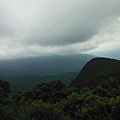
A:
(40, 27)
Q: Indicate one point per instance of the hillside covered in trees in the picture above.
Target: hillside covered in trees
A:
(103, 73)
(25, 73)
(95, 96)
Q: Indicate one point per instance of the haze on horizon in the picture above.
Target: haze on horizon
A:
(49, 27)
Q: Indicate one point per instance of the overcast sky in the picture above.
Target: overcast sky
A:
(47, 27)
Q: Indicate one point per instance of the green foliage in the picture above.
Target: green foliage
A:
(25, 82)
(103, 72)
(4, 90)
(108, 87)
(45, 111)
(97, 99)
(89, 106)
(52, 92)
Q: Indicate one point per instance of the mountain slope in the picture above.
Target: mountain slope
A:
(43, 65)
(24, 73)
(99, 72)
(25, 82)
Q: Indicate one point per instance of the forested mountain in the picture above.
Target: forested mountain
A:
(103, 73)
(95, 96)
(43, 65)
(24, 73)
(22, 83)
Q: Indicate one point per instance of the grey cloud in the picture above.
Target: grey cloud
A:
(54, 23)
(76, 25)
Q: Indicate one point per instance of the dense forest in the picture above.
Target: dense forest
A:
(25, 73)
(98, 98)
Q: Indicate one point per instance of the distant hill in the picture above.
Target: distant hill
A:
(25, 73)
(97, 96)
(25, 82)
(43, 65)
(102, 72)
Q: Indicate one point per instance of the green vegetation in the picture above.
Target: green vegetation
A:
(25, 73)
(44, 65)
(4, 90)
(97, 99)
(54, 100)
(25, 82)
(98, 71)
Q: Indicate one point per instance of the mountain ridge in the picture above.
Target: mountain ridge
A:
(26, 72)
(95, 71)
(44, 65)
